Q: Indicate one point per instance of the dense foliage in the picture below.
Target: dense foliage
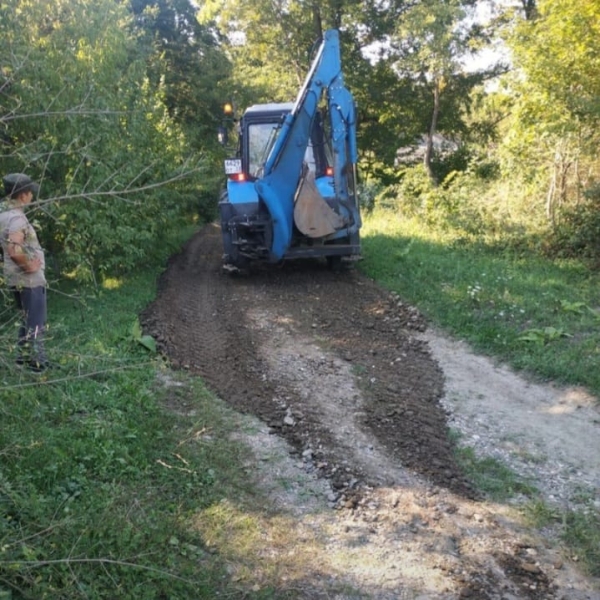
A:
(87, 108)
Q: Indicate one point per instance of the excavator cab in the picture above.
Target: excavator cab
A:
(258, 133)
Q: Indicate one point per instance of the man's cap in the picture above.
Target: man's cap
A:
(15, 183)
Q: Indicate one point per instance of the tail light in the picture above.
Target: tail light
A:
(239, 177)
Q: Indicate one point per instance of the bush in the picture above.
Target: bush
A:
(368, 193)
(578, 233)
(445, 163)
(418, 196)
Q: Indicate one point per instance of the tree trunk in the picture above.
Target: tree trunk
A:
(432, 130)
(529, 8)
(557, 192)
(317, 21)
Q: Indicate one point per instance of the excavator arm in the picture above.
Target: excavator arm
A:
(280, 186)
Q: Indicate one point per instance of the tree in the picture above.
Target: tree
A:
(185, 59)
(430, 39)
(556, 91)
(78, 112)
(270, 43)
(400, 94)
(529, 7)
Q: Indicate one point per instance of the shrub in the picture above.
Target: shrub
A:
(578, 233)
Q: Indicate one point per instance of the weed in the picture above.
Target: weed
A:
(579, 529)
(542, 336)
(491, 477)
(540, 514)
(582, 534)
(358, 370)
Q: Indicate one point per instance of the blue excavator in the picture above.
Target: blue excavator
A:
(291, 189)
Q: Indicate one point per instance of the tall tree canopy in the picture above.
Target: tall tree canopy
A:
(270, 41)
(431, 39)
(106, 101)
(184, 57)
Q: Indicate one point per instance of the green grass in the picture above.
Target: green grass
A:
(538, 315)
(578, 529)
(100, 472)
(104, 477)
(490, 476)
(581, 532)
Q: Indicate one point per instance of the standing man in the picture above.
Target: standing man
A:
(24, 269)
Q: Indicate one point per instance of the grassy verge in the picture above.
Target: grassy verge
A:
(579, 530)
(106, 460)
(538, 315)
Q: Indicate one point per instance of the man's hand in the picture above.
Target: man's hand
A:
(15, 249)
(32, 265)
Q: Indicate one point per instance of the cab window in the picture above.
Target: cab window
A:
(261, 137)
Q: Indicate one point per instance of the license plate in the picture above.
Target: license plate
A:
(233, 166)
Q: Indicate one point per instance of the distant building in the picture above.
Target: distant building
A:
(412, 155)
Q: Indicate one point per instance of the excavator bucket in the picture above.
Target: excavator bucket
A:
(312, 215)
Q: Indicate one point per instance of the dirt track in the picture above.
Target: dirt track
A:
(214, 324)
(338, 368)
